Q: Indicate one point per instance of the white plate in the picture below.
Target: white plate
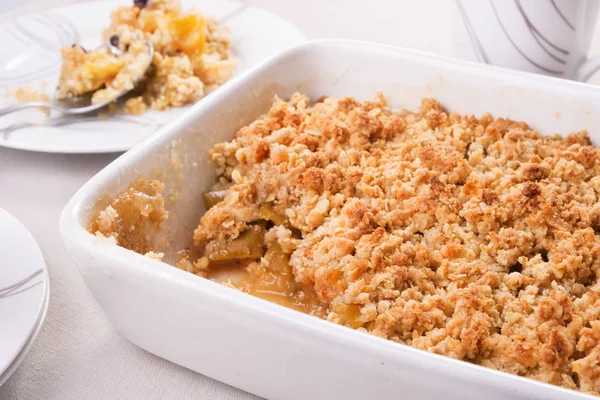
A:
(36, 329)
(31, 56)
(24, 287)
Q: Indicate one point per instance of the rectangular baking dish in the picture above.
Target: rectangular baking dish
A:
(261, 347)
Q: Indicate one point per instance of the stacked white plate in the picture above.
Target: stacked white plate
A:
(24, 292)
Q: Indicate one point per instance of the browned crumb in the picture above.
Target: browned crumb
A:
(26, 94)
(135, 106)
(474, 238)
(155, 256)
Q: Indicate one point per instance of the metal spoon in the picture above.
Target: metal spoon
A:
(79, 104)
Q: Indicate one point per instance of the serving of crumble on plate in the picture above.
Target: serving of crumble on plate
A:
(470, 237)
(191, 57)
(198, 46)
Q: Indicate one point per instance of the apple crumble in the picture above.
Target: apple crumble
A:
(191, 57)
(473, 238)
(103, 73)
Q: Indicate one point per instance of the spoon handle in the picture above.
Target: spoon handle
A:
(22, 106)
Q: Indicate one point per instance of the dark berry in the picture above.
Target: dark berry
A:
(114, 40)
(140, 3)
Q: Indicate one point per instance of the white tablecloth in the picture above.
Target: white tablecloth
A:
(78, 354)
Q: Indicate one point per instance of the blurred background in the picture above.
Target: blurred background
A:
(424, 25)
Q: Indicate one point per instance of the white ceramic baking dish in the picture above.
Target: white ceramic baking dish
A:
(261, 347)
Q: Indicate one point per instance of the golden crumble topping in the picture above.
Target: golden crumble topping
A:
(473, 238)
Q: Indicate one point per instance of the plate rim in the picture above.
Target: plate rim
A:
(43, 301)
(39, 323)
